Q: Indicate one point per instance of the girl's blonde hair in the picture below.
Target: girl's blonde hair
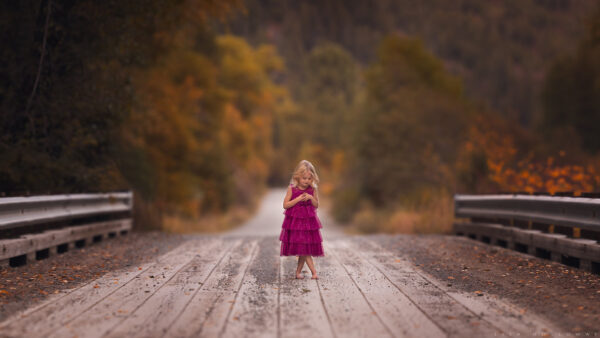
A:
(301, 168)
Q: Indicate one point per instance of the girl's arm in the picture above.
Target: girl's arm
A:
(314, 199)
(287, 203)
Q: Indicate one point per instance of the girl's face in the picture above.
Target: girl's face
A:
(305, 180)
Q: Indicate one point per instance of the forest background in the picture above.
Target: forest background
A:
(199, 105)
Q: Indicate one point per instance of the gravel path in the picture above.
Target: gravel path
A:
(25, 286)
(567, 296)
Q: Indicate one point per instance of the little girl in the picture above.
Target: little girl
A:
(300, 235)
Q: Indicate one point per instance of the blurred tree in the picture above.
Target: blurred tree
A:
(328, 95)
(413, 123)
(500, 49)
(66, 71)
(321, 127)
(571, 95)
(203, 121)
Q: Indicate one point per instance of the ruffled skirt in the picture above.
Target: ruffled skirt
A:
(300, 234)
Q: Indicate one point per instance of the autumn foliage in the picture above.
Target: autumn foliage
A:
(204, 125)
(398, 110)
(500, 157)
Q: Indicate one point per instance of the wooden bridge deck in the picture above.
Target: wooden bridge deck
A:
(236, 285)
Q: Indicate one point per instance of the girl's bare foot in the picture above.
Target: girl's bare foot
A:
(299, 276)
(314, 277)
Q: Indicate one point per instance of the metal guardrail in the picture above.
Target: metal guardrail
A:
(577, 212)
(24, 211)
(527, 224)
(60, 223)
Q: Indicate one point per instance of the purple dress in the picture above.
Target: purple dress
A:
(300, 234)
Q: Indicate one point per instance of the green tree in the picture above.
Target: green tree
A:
(328, 95)
(412, 123)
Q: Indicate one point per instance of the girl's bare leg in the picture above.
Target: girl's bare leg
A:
(311, 266)
(301, 260)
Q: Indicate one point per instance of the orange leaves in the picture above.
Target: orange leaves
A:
(540, 177)
(200, 119)
(511, 165)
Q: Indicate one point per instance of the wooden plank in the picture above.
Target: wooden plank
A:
(348, 310)
(504, 315)
(254, 313)
(398, 312)
(457, 316)
(110, 311)
(162, 308)
(56, 311)
(206, 313)
(301, 311)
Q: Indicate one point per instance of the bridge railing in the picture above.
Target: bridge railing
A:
(37, 226)
(574, 212)
(23, 211)
(529, 224)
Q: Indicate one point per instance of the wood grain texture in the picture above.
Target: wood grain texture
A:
(403, 317)
(301, 311)
(207, 312)
(237, 285)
